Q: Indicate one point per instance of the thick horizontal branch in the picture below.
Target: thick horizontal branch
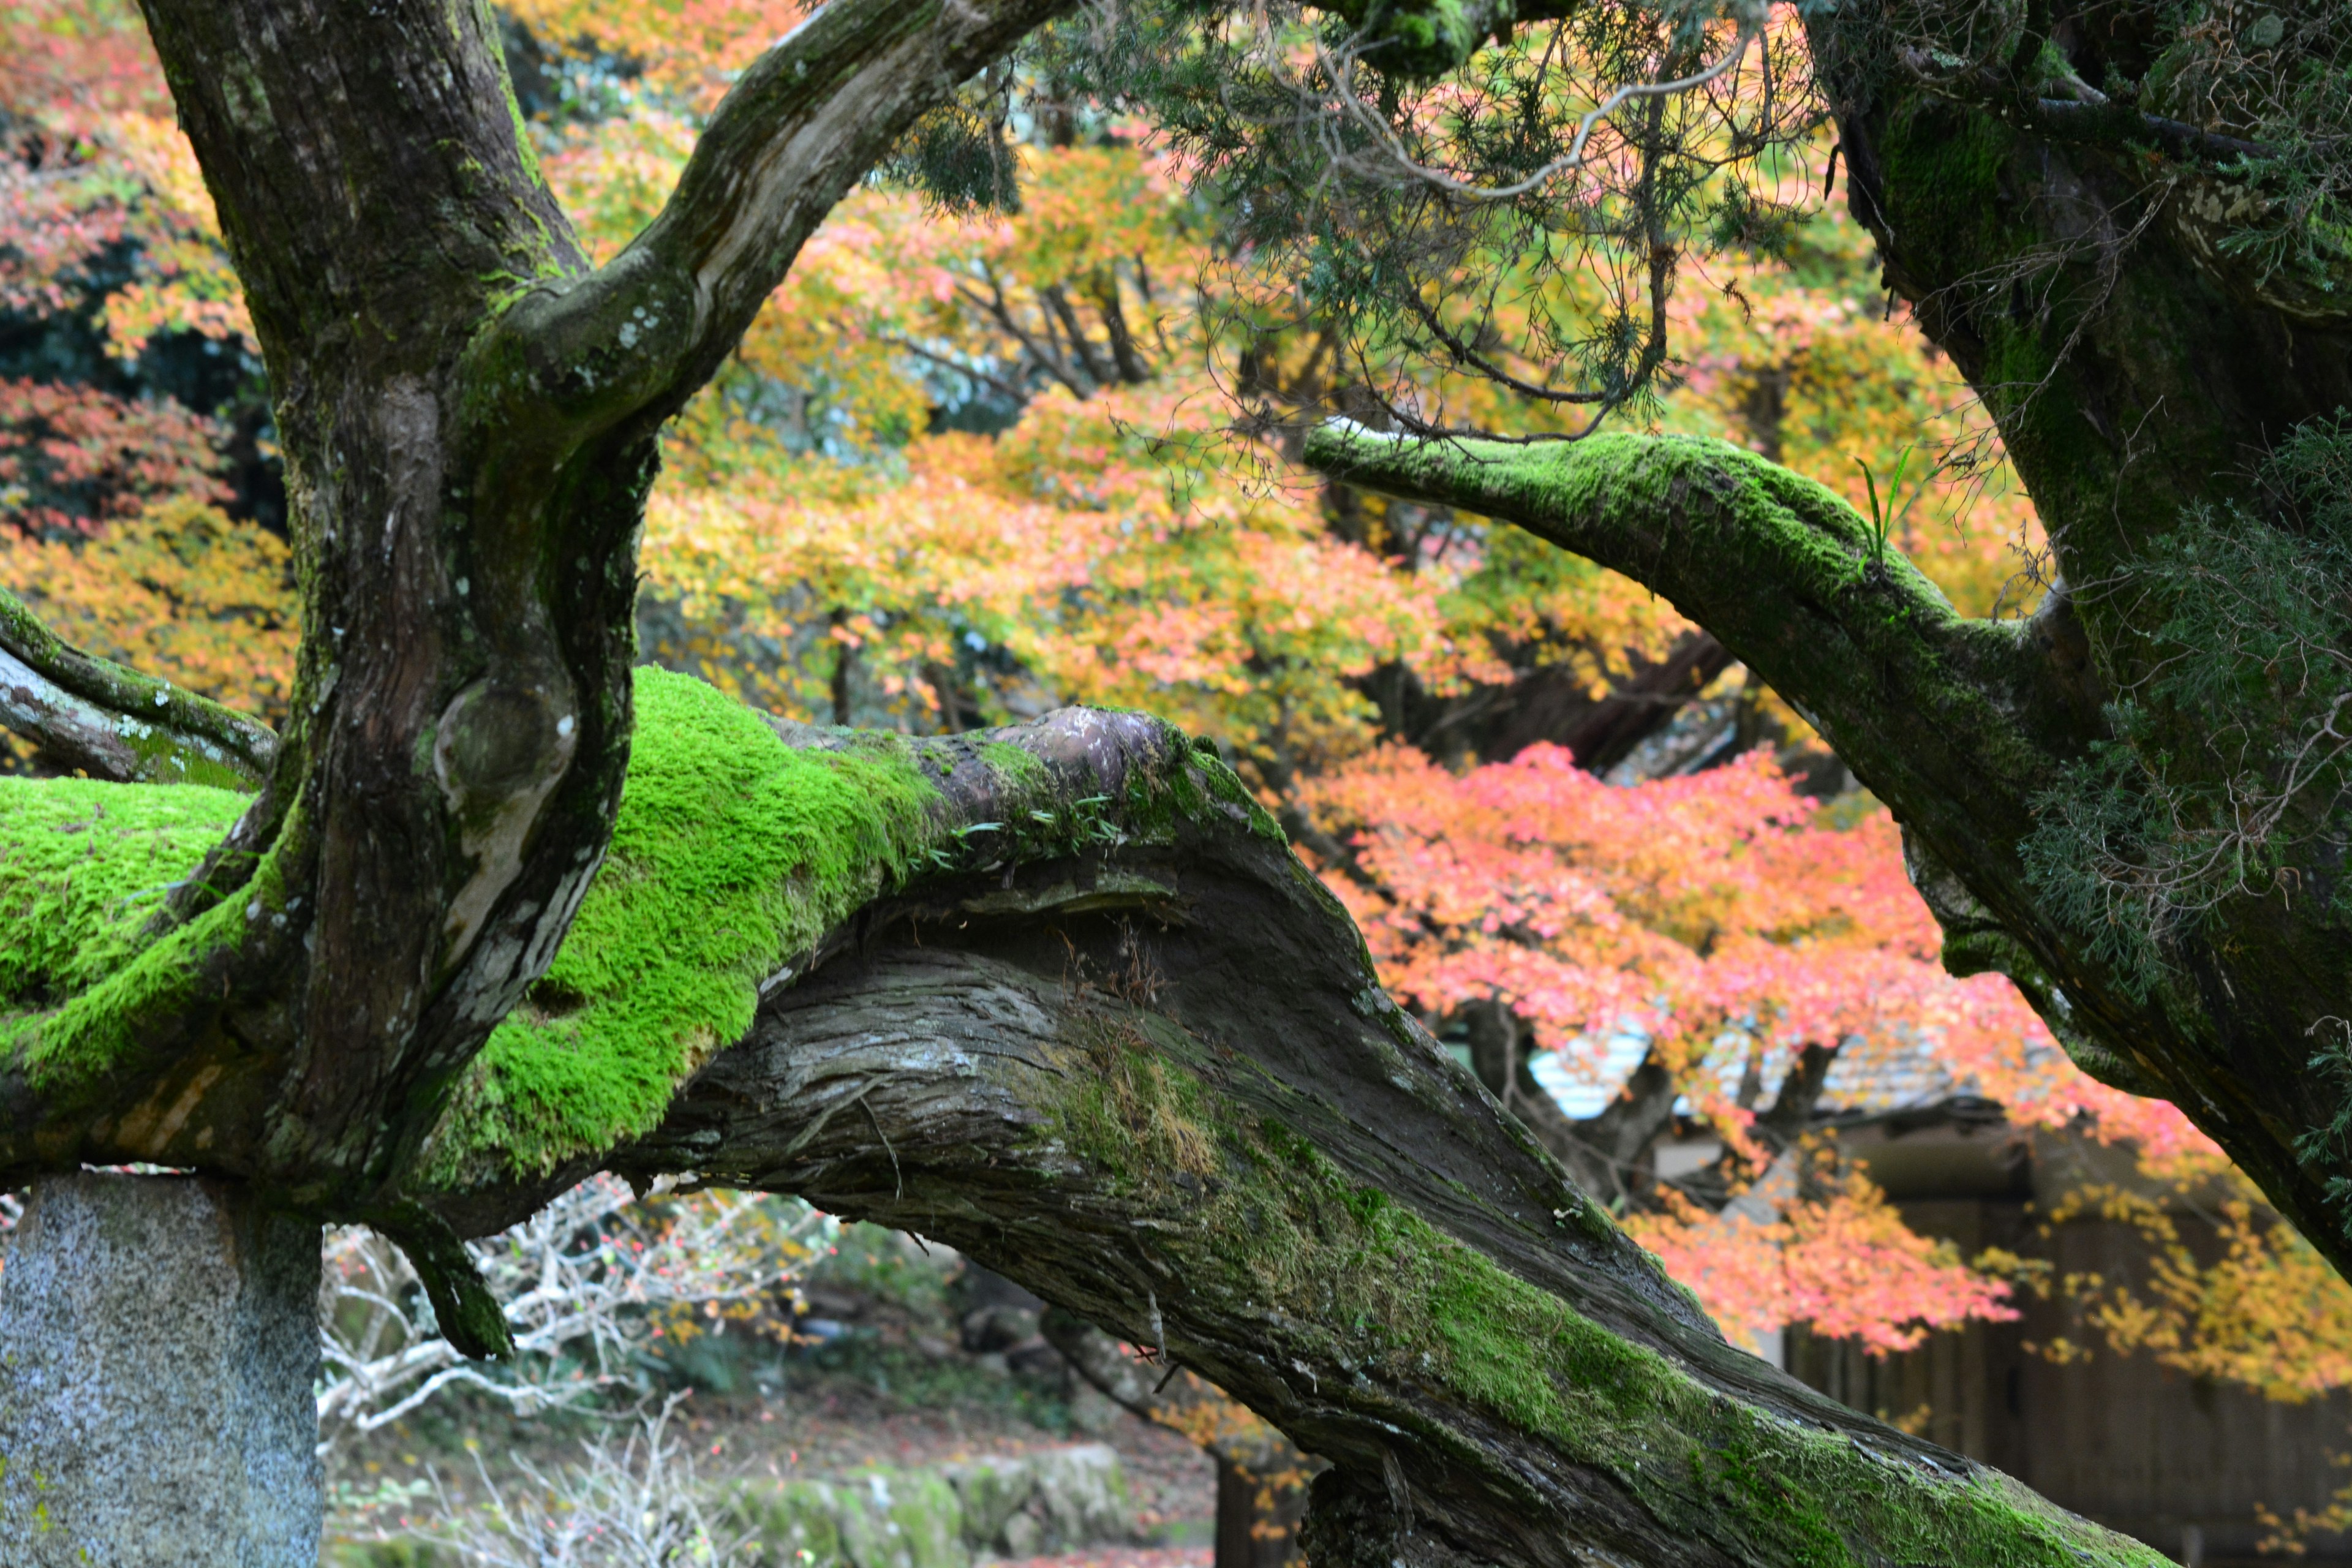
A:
(115, 723)
(1194, 1119)
(1061, 996)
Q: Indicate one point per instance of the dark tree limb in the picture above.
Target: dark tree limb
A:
(1194, 1119)
(1958, 722)
(801, 125)
(115, 723)
(1113, 1040)
(2100, 278)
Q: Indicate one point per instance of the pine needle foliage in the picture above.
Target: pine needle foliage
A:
(1459, 188)
(2252, 653)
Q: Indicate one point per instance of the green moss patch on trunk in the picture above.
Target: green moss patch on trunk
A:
(1348, 1280)
(732, 856)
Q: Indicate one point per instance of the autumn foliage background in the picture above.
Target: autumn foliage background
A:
(973, 465)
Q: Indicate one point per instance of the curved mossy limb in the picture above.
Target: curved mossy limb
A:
(1920, 701)
(116, 723)
(1325, 1217)
(1967, 729)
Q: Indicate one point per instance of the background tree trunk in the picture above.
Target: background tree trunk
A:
(1261, 1477)
(161, 1336)
(1258, 1514)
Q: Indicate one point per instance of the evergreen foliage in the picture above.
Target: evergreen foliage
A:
(2249, 606)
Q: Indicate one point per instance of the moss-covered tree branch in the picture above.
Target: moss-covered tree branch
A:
(1975, 732)
(744, 849)
(1153, 1078)
(1959, 722)
(115, 723)
(1060, 995)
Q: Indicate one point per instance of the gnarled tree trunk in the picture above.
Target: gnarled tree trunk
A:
(1059, 995)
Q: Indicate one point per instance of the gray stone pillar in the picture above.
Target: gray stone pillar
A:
(159, 1343)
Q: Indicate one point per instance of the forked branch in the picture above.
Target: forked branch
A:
(805, 122)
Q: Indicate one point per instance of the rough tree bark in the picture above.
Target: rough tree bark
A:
(1156, 1081)
(2086, 266)
(467, 414)
(1059, 995)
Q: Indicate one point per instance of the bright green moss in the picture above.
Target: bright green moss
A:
(83, 865)
(1368, 1286)
(1013, 766)
(731, 855)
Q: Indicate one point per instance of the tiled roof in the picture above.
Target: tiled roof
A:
(1868, 1077)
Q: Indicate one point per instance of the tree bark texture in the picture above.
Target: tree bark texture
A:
(160, 1339)
(1964, 728)
(1156, 1081)
(467, 414)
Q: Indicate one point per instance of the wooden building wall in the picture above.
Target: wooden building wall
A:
(2181, 1463)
